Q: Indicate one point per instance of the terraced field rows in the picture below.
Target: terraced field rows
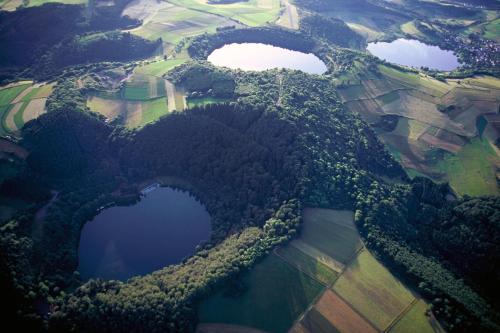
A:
(20, 103)
(437, 124)
(365, 297)
(353, 292)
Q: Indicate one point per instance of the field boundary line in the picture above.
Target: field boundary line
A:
(373, 97)
(297, 268)
(207, 12)
(309, 308)
(401, 315)
(356, 310)
(354, 255)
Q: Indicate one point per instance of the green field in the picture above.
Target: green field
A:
(492, 30)
(489, 30)
(429, 139)
(332, 232)
(193, 102)
(7, 95)
(251, 13)
(417, 81)
(130, 113)
(14, 4)
(471, 171)
(389, 98)
(4, 110)
(275, 295)
(143, 87)
(135, 93)
(152, 110)
(18, 117)
(174, 20)
(416, 321)
(159, 68)
(69, 2)
(15, 100)
(372, 290)
(307, 264)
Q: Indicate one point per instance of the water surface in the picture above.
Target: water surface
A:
(161, 229)
(413, 53)
(260, 57)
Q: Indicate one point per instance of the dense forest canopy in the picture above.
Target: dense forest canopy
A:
(272, 144)
(281, 150)
(60, 35)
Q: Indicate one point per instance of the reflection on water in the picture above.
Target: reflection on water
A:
(259, 57)
(161, 229)
(409, 52)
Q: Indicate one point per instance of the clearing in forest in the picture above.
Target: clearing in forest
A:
(142, 88)
(194, 102)
(129, 113)
(270, 297)
(332, 232)
(301, 289)
(307, 264)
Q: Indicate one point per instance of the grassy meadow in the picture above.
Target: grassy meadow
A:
(129, 113)
(364, 296)
(159, 68)
(471, 171)
(307, 264)
(296, 290)
(275, 295)
(251, 13)
(194, 102)
(332, 232)
(437, 133)
(417, 321)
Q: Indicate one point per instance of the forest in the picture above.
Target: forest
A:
(306, 151)
(201, 46)
(281, 142)
(54, 29)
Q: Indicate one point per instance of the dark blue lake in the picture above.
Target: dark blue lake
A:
(161, 229)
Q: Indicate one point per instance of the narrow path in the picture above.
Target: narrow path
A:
(298, 268)
(293, 16)
(280, 89)
(290, 16)
(400, 315)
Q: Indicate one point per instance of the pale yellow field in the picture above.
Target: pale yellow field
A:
(110, 108)
(22, 94)
(34, 109)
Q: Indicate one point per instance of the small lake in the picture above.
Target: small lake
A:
(260, 57)
(413, 53)
(164, 227)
